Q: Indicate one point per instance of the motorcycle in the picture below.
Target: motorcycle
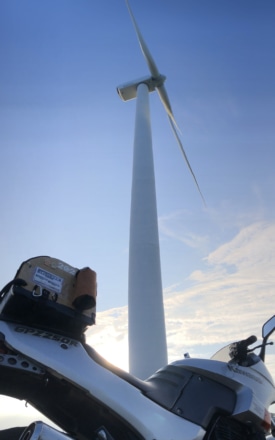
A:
(226, 397)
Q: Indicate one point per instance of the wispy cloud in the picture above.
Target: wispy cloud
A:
(173, 227)
(231, 297)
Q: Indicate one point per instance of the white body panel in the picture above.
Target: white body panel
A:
(255, 378)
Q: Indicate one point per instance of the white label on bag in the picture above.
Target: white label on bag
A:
(48, 280)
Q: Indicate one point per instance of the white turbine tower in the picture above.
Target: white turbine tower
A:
(147, 337)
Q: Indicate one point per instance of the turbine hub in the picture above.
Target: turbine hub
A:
(129, 90)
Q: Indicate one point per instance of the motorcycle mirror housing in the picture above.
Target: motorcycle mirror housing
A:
(268, 328)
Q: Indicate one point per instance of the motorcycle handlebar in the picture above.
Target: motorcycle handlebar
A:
(238, 350)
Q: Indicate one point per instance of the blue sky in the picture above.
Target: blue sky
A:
(66, 155)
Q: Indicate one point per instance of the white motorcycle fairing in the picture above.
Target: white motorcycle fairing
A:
(76, 388)
(59, 378)
(44, 360)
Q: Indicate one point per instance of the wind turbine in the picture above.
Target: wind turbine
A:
(147, 336)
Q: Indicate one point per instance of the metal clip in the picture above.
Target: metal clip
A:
(34, 291)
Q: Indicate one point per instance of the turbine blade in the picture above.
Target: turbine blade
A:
(185, 157)
(146, 53)
(162, 93)
(166, 103)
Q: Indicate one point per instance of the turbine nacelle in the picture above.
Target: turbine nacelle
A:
(129, 90)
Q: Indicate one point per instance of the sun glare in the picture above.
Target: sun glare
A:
(113, 350)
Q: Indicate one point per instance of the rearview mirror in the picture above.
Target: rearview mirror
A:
(268, 327)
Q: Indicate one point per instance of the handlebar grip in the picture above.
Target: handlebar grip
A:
(249, 340)
(238, 350)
